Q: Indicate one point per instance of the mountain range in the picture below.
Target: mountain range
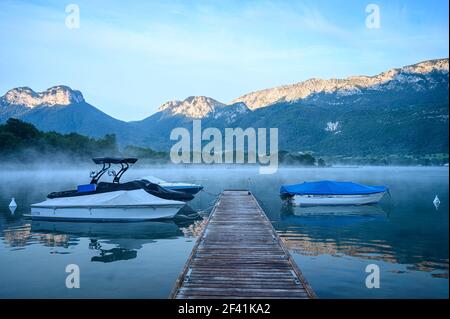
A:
(400, 111)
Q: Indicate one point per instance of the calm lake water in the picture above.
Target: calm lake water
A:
(405, 235)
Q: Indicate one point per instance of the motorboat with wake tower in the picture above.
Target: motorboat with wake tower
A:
(136, 200)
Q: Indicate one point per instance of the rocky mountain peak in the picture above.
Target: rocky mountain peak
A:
(192, 106)
(439, 65)
(56, 95)
(347, 86)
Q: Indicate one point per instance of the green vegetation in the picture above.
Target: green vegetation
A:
(146, 154)
(22, 142)
(299, 159)
(437, 159)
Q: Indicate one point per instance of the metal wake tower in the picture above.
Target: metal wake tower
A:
(124, 163)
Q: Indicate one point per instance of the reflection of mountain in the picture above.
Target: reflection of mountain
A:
(194, 229)
(128, 237)
(17, 236)
(333, 220)
(141, 230)
(370, 250)
(21, 236)
(124, 235)
(370, 234)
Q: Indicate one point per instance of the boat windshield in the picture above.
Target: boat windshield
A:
(154, 179)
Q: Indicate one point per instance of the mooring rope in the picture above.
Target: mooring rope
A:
(206, 210)
(261, 203)
(211, 203)
(212, 194)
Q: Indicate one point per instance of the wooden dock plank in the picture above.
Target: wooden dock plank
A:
(240, 255)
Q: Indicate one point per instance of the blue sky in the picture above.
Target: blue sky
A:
(129, 57)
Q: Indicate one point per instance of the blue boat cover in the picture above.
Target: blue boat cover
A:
(330, 188)
(86, 188)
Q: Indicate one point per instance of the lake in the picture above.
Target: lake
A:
(406, 236)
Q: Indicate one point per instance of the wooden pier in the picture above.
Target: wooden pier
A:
(240, 255)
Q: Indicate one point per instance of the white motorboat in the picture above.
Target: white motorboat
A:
(132, 201)
(122, 205)
(332, 193)
(176, 186)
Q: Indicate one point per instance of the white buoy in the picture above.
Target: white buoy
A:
(436, 202)
(12, 205)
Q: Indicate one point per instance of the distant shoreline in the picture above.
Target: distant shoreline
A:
(42, 166)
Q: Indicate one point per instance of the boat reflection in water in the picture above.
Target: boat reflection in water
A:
(127, 238)
(110, 255)
(332, 215)
(335, 231)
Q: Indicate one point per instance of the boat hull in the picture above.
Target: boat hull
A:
(334, 200)
(104, 214)
(185, 189)
(134, 205)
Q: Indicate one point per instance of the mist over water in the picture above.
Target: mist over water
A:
(405, 235)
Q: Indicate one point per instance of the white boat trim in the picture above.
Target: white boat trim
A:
(103, 214)
(333, 200)
(106, 206)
